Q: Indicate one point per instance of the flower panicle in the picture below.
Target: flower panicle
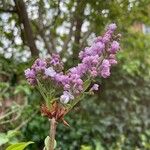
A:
(96, 60)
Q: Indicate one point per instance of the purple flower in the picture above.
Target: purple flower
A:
(29, 73)
(66, 97)
(106, 38)
(50, 72)
(56, 62)
(32, 81)
(97, 48)
(55, 59)
(81, 54)
(74, 70)
(105, 68)
(114, 47)
(98, 39)
(66, 87)
(112, 27)
(112, 61)
(62, 79)
(94, 87)
(30, 76)
(39, 65)
(93, 72)
(112, 56)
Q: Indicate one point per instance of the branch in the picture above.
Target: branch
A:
(26, 121)
(86, 35)
(41, 29)
(42, 35)
(3, 10)
(65, 46)
(74, 21)
(79, 17)
(57, 15)
(23, 17)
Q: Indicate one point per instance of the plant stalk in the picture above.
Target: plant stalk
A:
(52, 133)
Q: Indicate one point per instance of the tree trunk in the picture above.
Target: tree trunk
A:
(79, 17)
(23, 17)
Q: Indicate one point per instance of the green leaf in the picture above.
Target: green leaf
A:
(19, 146)
(41, 89)
(98, 145)
(12, 133)
(3, 138)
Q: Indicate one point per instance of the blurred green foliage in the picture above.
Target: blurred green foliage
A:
(117, 117)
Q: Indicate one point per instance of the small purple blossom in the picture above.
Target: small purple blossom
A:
(113, 61)
(105, 68)
(30, 76)
(98, 39)
(95, 87)
(50, 72)
(66, 97)
(55, 59)
(29, 73)
(93, 72)
(56, 62)
(106, 38)
(114, 47)
(39, 65)
(112, 27)
(32, 81)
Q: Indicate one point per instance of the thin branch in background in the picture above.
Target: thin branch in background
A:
(65, 46)
(11, 120)
(26, 121)
(23, 17)
(6, 7)
(51, 39)
(43, 37)
(41, 29)
(57, 15)
(72, 21)
(84, 38)
(3, 10)
(8, 114)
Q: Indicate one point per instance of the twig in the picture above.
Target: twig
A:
(11, 120)
(26, 121)
(43, 37)
(9, 113)
(3, 10)
(57, 15)
(65, 46)
(87, 34)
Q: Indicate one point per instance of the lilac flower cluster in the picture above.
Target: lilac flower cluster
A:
(56, 62)
(100, 56)
(43, 67)
(96, 61)
(31, 74)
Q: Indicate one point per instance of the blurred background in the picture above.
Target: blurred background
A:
(117, 117)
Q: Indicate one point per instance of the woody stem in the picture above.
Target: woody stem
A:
(52, 133)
